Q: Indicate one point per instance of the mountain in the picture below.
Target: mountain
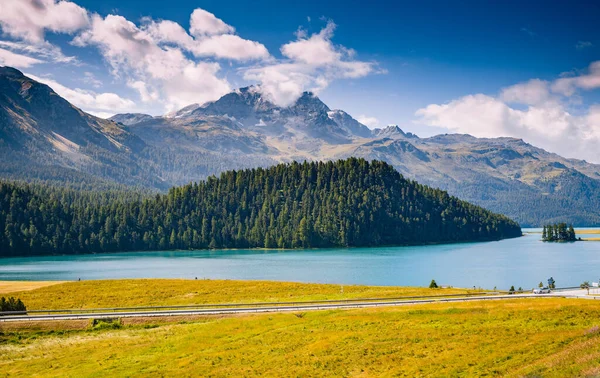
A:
(43, 137)
(130, 118)
(505, 175)
(347, 203)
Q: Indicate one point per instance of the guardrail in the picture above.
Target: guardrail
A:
(215, 308)
(254, 309)
(234, 305)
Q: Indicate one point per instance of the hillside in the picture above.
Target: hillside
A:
(44, 138)
(505, 175)
(348, 203)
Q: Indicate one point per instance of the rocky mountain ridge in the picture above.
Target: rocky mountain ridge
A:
(43, 137)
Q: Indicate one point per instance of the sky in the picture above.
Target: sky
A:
(524, 69)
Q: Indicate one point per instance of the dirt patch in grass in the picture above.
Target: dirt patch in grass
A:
(46, 325)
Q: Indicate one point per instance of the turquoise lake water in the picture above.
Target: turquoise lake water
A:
(522, 262)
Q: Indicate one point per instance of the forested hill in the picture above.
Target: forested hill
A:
(299, 205)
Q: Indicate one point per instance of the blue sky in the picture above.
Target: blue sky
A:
(424, 65)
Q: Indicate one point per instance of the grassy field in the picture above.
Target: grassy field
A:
(533, 337)
(163, 292)
(577, 230)
(15, 286)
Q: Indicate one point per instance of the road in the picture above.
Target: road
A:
(279, 308)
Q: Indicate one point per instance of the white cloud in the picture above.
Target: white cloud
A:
(134, 53)
(532, 92)
(146, 94)
(549, 126)
(29, 19)
(229, 46)
(311, 64)
(169, 66)
(88, 100)
(567, 86)
(43, 51)
(205, 23)
(104, 115)
(8, 58)
(224, 46)
(90, 79)
(152, 56)
(316, 50)
(546, 121)
(370, 122)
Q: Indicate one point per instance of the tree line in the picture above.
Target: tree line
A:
(347, 203)
(11, 304)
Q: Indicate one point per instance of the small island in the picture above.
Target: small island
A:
(559, 232)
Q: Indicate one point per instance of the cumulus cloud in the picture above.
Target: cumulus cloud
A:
(89, 100)
(29, 19)
(8, 58)
(532, 92)
(370, 122)
(545, 121)
(152, 56)
(316, 50)
(205, 23)
(44, 51)
(169, 66)
(567, 86)
(311, 63)
(134, 53)
(219, 45)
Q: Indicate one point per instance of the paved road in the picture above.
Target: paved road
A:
(282, 308)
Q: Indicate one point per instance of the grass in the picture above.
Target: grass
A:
(167, 292)
(15, 286)
(546, 337)
(589, 231)
(577, 231)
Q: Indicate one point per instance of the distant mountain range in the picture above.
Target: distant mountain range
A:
(44, 137)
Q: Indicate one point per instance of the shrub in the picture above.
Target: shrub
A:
(108, 323)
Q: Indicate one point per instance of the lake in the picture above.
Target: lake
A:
(521, 262)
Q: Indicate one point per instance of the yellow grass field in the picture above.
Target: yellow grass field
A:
(14, 286)
(167, 292)
(533, 337)
(546, 337)
(577, 231)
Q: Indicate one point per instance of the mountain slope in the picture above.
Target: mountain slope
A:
(344, 203)
(44, 137)
(130, 118)
(505, 175)
(40, 131)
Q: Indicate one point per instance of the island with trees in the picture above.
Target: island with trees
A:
(559, 232)
(346, 203)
